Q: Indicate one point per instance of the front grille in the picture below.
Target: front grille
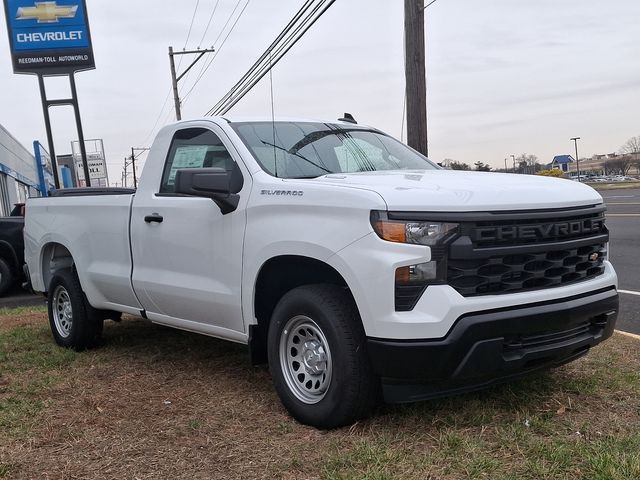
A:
(516, 255)
(517, 273)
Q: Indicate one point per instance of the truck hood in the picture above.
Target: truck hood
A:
(447, 190)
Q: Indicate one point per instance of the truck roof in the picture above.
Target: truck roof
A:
(268, 118)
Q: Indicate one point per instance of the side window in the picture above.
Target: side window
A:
(194, 148)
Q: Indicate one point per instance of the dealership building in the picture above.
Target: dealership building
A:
(19, 173)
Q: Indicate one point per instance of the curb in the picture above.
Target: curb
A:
(627, 334)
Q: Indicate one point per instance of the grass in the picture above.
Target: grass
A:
(160, 403)
(29, 364)
(12, 312)
(613, 185)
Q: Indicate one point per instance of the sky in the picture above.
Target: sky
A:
(503, 76)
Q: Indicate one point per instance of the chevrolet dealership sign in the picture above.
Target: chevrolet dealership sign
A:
(49, 37)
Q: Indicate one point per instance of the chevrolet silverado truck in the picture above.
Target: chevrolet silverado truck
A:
(354, 266)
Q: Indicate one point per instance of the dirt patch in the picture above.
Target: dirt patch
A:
(27, 318)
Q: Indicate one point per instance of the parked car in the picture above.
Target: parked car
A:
(11, 249)
(353, 265)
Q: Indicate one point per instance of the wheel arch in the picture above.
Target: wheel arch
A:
(277, 276)
(54, 257)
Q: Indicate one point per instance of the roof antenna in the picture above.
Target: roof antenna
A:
(273, 120)
(348, 118)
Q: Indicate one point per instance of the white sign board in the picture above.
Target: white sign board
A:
(96, 163)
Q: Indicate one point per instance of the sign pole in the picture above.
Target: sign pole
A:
(47, 125)
(83, 148)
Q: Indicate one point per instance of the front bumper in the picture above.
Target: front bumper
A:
(487, 347)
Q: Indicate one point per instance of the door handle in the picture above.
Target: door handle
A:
(154, 217)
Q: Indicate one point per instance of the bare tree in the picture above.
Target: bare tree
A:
(632, 148)
(620, 165)
(528, 164)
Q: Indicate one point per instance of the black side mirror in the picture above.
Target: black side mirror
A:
(220, 185)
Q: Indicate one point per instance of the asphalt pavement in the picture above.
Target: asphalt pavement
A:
(17, 297)
(623, 220)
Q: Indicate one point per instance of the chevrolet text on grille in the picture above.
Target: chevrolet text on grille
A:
(541, 231)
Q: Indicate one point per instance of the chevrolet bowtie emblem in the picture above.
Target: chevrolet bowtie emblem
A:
(46, 12)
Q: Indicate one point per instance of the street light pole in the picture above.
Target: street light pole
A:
(505, 165)
(575, 141)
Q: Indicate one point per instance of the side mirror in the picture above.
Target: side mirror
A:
(220, 185)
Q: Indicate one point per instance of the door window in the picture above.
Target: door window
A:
(194, 148)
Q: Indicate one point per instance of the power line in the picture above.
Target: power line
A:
(205, 67)
(166, 100)
(282, 51)
(195, 10)
(282, 47)
(430, 3)
(215, 7)
(228, 20)
(155, 124)
(269, 52)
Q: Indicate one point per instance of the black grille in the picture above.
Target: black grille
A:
(516, 255)
(544, 339)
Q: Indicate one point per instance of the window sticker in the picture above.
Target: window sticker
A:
(188, 156)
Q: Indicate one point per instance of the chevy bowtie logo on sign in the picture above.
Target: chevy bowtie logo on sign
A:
(49, 37)
(47, 12)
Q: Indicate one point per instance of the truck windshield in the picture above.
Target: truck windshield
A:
(308, 150)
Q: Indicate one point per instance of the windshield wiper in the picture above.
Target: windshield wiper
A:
(320, 134)
(299, 156)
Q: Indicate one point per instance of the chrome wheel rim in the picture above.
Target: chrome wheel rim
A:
(62, 311)
(305, 359)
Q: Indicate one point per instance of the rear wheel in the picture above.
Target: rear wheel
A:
(74, 323)
(317, 357)
(7, 277)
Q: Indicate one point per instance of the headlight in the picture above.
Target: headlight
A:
(412, 280)
(419, 233)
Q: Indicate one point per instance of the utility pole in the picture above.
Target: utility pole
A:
(133, 165)
(415, 75)
(175, 78)
(124, 174)
(513, 157)
(133, 162)
(505, 165)
(575, 141)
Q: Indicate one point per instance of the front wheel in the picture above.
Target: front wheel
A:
(73, 321)
(317, 357)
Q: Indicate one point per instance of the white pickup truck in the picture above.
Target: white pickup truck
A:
(354, 266)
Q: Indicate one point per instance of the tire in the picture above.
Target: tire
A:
(318, 359)
(73, 321)
(7, 278)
